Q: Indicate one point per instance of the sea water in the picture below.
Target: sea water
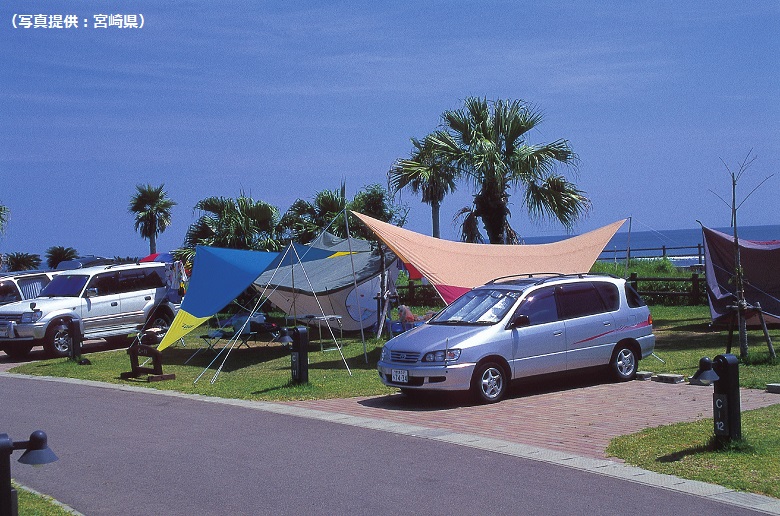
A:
(679, 245)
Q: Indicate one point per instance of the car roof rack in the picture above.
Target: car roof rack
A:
(549, 276)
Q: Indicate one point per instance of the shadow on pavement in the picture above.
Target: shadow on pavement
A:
(444, 400)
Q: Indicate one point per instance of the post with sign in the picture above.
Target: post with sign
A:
(299, 358)
(725, 400)
(723, 374)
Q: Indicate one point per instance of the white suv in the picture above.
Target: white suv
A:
(108, 302)
(518, 327)
(18, 286)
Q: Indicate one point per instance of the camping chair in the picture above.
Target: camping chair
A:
(224, 330)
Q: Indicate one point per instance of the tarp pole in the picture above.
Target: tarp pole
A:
(354, 282)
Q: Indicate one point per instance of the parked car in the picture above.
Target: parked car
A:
(522, 326)
(18, 286)
(108, 302)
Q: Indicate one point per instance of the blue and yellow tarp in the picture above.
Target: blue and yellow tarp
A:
(218, 277)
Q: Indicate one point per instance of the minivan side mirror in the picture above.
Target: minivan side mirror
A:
(520, 321)
(91, 292)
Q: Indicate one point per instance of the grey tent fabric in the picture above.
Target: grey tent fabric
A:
(761, 265)
(326, 286)
(329, 274)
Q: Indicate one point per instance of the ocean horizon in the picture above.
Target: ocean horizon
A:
(681, 244)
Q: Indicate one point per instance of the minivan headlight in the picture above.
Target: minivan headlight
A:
(439, 356)
(31, 317)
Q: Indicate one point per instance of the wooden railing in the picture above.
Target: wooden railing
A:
(655, 252)
(692, 289)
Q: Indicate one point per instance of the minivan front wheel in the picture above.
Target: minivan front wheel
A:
(489, 383)
(624, 363)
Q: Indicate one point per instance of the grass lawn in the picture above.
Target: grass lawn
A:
(259, 373)
(685, 450)
(38, 505)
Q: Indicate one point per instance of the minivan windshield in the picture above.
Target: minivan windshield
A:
(65, 285)
(481, 306)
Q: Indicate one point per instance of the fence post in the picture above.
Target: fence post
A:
(633, 280)
(695, 289)
(410, 294)
(701, 259)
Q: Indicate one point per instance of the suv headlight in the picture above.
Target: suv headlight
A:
(439, 356)
(31, 317)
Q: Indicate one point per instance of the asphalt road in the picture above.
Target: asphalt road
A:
(140, 453)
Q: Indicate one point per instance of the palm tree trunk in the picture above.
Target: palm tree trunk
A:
(435, 208)
(152, 244)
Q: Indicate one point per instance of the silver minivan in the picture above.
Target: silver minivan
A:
(521, 326)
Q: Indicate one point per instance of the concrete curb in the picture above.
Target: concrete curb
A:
(604, 467)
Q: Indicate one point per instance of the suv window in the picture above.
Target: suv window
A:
(65, 285)
(539, 306)
(139, 279)
(8, 292)
(105, 284)
(579, 300)
(609, 295)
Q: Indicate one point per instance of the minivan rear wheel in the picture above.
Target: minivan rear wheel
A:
(489, 382)
(624, 363)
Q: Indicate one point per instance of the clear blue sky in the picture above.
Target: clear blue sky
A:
(282, 99)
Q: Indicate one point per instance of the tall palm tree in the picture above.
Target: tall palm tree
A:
(152, 209)
(5, 215)
(425, 172)
(57, 253)
(241, 223)
(22, 261)
(305, 220)
(487, 142)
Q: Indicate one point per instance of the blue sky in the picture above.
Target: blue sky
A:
(282, 99)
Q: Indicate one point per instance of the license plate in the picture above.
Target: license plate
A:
(400, 375)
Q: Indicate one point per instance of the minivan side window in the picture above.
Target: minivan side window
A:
(539, 306)
(579, 300)
(609, 295)
(633, 298)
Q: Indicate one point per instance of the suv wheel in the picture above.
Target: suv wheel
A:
(17, 352)
(489, 383)
(58, 340)
(159, 320)
(624, 363)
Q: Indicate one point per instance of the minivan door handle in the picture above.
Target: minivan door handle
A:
(607, 323)
(148, 298)
(558, 333)
(114, 303)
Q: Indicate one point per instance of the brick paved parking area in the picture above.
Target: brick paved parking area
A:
(577, 416)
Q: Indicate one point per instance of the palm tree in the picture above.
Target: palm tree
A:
(5, 215)
(241, 223)
(152, 209)
(487, 143)
(425, 172)
(305, 220)
(57, 253)
(22, 261)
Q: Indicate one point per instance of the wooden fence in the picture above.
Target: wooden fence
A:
(690, 251)
(689, 290)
